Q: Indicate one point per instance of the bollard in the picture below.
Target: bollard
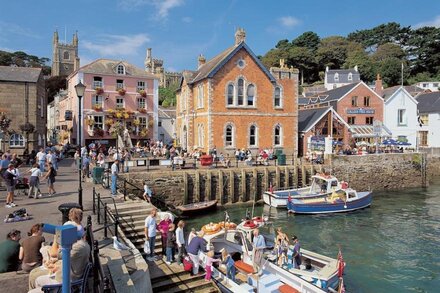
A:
(125, 188)
(94, 211)
(105, 220)
(116, 225)
(99, 208)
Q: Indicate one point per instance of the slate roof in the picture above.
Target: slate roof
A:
(20, 74)
(428, 103)
(169, 112)
(411, 89)
(343, 76)
(309, 117)
(108, 67)
(303, 101)
(334, 94)
(210, 68)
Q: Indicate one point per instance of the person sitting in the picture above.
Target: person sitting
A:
(30, 249)
(224, 161)
(9, 252)
(248, 160)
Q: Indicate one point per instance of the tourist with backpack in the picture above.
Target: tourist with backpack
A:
(50, 176)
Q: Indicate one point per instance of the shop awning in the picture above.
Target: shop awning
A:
(367, 131)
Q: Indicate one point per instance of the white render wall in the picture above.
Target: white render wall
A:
(433, 129)
(401, 99)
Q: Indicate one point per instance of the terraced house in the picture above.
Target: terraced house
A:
(233, 101)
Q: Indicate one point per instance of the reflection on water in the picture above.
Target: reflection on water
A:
(394, 246)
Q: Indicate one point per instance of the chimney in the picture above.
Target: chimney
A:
(75, 39)
(149, 54)
(240, 36)
(201, 61)
(326, 69)
(356, 68)
(378, 87)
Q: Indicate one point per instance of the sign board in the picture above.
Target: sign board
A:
(377, 127)
(360, 111)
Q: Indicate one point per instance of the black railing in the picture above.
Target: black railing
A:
(102, 211)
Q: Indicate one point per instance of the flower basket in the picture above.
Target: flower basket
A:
(143, 93)
(90, 121)
(136, 122)
(150, 123)
(97, 107)
(98, 132)
(99, 90)
(126, 115)
(144, 132)
(64, 136)
(118, 115)
(109, 122)
(121, 91)
(142, 110)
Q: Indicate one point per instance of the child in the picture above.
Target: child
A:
(209, 261)
(230, 264)
(171, 243)
(147, 192)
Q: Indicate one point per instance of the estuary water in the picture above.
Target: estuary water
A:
(394, 246)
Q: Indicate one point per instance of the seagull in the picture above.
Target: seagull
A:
(118, 245)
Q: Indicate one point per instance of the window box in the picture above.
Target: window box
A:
(99, 90)
(97, 107)
(142, 110)
(121, 91)
(98, 132)
(143, 93)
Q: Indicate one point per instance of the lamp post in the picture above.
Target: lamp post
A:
(80, 89)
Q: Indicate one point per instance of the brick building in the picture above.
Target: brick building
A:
(23, 100)
(232, 101)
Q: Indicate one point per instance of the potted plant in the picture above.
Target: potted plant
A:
(150, 123)
(142, 110)
(136, 122)
(98, 132)
(144, 132)
(90, 121)
(121, 91)
(143, 93)
(97, 107)
(109, 122)
(99, 90)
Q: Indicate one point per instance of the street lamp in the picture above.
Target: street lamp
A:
(80, 89)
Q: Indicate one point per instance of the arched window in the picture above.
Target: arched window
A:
(230, 94)
(16, 140)
(121, 69)
(336, 76)
(240, 92)
(350, 76)
(229, 136)
(66, 55)
(277, 97)
(277, 135)
(250, 95)
(200, 135)
(200, 96)
(253, 136)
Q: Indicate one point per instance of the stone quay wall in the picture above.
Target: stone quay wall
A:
(228, 186)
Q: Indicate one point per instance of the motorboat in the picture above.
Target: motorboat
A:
(322, 184)
(339, 201)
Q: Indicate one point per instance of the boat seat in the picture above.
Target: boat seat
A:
(244, 267)
(287, 289)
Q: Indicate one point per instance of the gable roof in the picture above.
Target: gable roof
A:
(210, 68)
(342, 75)
(308, 118)
(428, 103)
(107, 67)
(334, 94)
(20, 74)
(387, 97)
(411, 89)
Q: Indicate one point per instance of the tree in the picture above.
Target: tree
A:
(283, 44)
(309, 40)
(53, 85)
(167, 96)
(424, 50)
(389, 50)
(391, 71)
(364, 62)
(332, 52)
(272, 58)
(303, 59)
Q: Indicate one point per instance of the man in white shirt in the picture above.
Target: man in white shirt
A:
(150, 232)
(180, 241)
(115, 172)
(41, 159)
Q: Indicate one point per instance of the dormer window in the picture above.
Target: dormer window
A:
(350, 76)
(120, 69)
(336, 76)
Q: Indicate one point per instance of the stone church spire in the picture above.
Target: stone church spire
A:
(75, 39)
(55, 37)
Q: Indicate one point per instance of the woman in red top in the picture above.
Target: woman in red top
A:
(163, 227)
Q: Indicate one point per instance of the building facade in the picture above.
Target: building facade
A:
(120, 104)
(155, 66)
(232, 101)
(167, 125)
(335, 78)
(432, 86)
(23, 101)
(65, 59)
(429, 120)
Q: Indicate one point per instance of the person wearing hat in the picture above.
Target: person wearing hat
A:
(114, 171)
(10, 176)
(9, 252)
(296, 253)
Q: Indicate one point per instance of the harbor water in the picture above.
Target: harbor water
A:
(394, 246)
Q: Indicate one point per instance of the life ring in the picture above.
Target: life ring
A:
(258, 220)
(249, 224)
(344, 185)
(229, 225)
(211, 228)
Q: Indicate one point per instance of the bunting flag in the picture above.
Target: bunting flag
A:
(341, 264)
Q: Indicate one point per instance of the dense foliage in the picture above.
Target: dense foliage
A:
(382, 49)
(167, 95)
(21, 59)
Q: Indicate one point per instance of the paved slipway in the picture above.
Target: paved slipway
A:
(42, 210)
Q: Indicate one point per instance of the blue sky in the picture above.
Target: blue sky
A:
(180, 30)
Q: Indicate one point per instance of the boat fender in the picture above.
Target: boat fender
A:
(249, 224)
(211, 228)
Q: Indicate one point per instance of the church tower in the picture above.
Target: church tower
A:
(65, 57)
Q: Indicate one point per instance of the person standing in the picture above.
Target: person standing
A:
(76, 159)
(210, 260)
(259, 245)
(180, 241)
(30, 249)
(296, 255)
(163, 227)
(41, 158)
(9, 252)
(34, 182)
(114, 172)
(170, 243)
(86, 167)
(50, 176)
(10, 177)
(197, 244)
(150, 232)
(230, 264)
(147, 192)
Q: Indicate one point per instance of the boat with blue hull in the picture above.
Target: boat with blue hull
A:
(340, 201)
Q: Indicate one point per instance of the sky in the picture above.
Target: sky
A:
(178, 31)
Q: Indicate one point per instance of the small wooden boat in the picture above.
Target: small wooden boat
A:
(340, 201)
(195, 208)
(322, 184)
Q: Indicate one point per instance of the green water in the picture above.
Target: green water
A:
(394, 246)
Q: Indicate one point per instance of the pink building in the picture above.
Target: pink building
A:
(119, 99)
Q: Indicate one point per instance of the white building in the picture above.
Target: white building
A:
(433, 86)
(335, 78)
(400, 114)
(167, 124)
(429, 111)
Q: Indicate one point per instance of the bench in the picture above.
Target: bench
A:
(80, 284)
(244, 267)
(287, 289)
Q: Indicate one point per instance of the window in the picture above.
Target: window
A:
(401, 117)
(253, 136)
(250, 95)
(97, 101)
(230, 94)
(141, 103)
(16, 140)
(200, 96)
(240, 93)
(142, 122)
(369, 120)
(159, 123)
(200, 135)
(229, 136)
(119, 84)
(424, 119)
(277, 97)
(241, 63)
(141, 85)
(435, 84)
(351, 120)
(120, 69)
(99, 123)
(336, 76)
(423, 138)
(97, 82)
(354, 101)
(350, 76)
(367, 101)
(119, 102)
(402, 138)
(66, 55)
(277, 135)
